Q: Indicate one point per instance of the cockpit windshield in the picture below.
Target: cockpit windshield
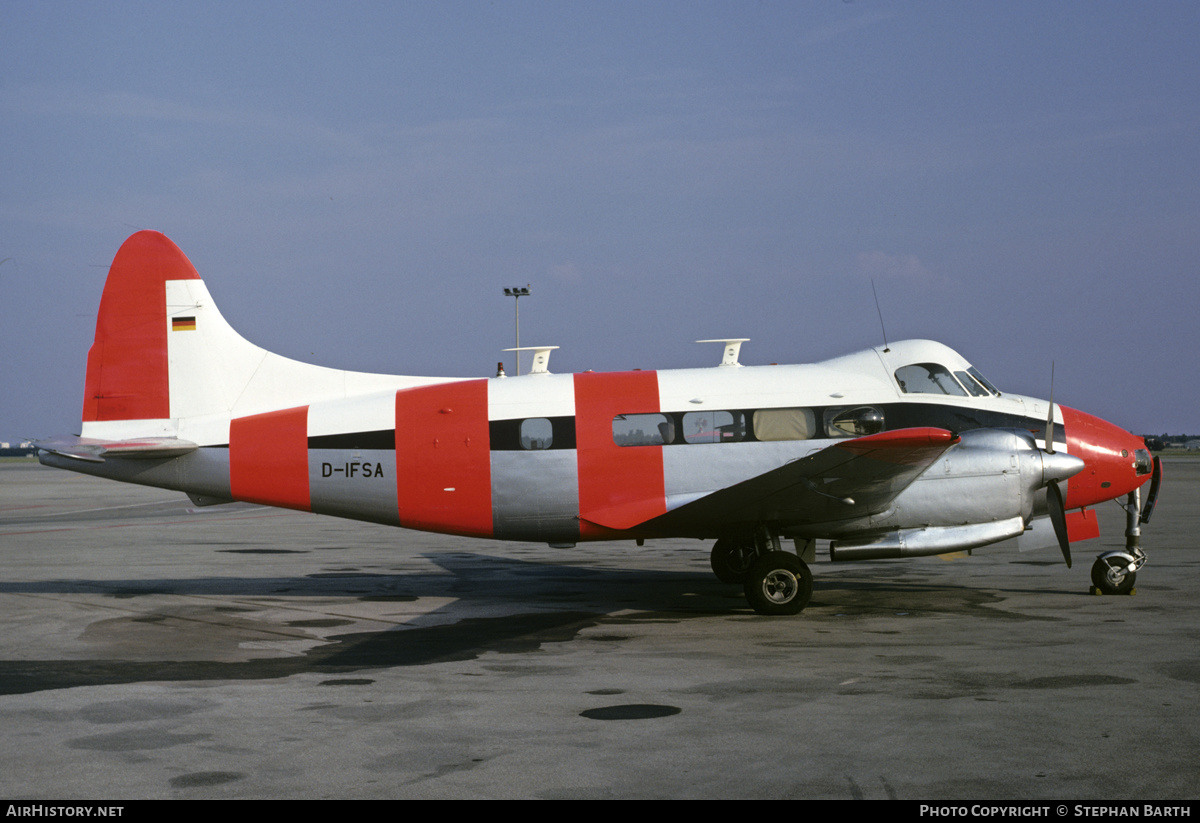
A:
(928, 378)
(934, 378)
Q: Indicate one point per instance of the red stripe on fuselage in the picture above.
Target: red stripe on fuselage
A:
(619, 486)
(443, 462)
(268, 458)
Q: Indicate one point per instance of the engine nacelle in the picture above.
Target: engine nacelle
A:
(922, 542)
(983, 490)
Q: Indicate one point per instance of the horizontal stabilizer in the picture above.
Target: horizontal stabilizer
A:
(93, 450)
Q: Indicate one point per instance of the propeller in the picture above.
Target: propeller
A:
(1050, 415)
(1152, 497)
(1056, 465)
(1058, 517)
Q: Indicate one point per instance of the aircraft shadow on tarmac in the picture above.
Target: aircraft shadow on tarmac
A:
(501, 605)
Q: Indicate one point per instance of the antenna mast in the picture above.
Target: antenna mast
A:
(881, 326)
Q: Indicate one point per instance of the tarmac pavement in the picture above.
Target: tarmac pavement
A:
(154, 650)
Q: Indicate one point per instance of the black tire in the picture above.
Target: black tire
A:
(1110, 581)
(778, 583)
(731, 559)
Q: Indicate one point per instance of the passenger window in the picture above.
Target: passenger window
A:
(928, 378)
(856, 422)
(714, 427)
(784, 424)
(643, 430)
(536, 434)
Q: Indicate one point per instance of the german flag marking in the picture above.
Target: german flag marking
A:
(183, 324)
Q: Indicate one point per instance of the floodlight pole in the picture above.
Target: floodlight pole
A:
(517, 292)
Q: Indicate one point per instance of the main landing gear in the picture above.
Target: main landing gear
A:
(778, 583)
(731, 558)
(1116, 572)
(775, 582)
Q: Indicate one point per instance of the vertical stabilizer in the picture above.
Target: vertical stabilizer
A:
(127, 373)
(165, 363)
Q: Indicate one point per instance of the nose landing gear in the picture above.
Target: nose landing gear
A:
(1116, 572)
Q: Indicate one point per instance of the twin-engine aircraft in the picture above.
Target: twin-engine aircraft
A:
(899, 451)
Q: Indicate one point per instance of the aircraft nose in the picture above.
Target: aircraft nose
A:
(1115, 461)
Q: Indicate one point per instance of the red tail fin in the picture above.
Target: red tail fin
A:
(127, 364)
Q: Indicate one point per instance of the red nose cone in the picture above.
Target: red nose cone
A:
(1110, 456)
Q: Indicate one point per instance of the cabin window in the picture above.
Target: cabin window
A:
(928, 378)
(714, 427)
(784, 424)
(853, 422)
(536, 433)
(643, 430)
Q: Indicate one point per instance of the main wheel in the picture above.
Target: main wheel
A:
(731, 559)
(1112, 578)
(778, 583)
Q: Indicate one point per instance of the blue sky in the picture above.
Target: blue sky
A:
(357, 182)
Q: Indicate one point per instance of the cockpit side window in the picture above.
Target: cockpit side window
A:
(973, 385)
(928, 378)
(974, 372)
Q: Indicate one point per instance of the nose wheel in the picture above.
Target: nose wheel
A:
(1116, 572)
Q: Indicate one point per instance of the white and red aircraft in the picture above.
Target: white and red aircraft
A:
(898, 451)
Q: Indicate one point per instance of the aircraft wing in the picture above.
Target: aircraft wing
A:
(93, 450)
(853, 478)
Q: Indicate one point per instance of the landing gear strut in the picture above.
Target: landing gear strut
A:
(775, 582)
(731, 557)
(1116, 572)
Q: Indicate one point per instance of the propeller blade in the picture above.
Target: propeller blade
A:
(1050, 421)
(1058, 517)
(1152, 497)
